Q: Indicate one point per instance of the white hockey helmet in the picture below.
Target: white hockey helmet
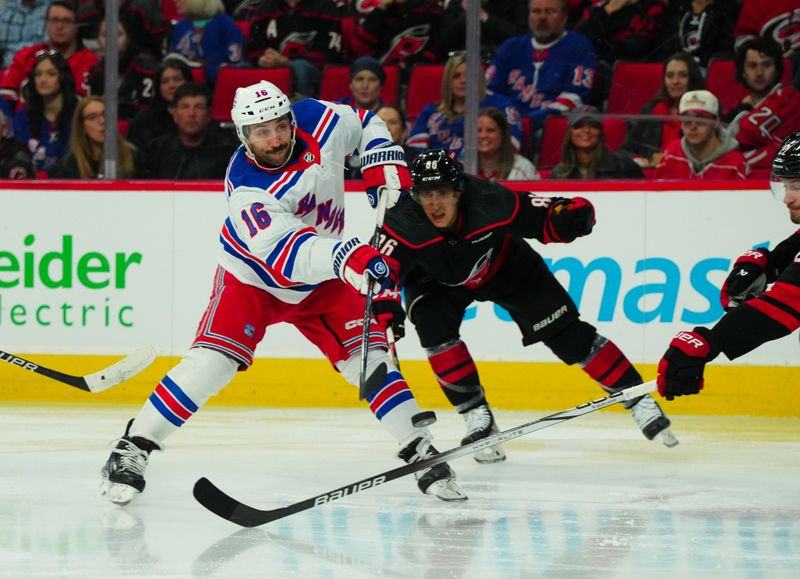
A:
(258, 103)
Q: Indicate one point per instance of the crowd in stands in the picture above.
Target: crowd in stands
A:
(711, 87)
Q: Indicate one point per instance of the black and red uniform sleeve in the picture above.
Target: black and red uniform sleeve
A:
(772, 315)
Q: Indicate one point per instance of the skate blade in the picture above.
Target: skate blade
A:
(490, 455)
(667, 438)
(118, 494)
(447, 491)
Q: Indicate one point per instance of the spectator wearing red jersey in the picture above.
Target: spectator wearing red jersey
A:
(62, 36)
(706, 151)
(771, 111)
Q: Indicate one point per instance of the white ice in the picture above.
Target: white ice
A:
(587, 498)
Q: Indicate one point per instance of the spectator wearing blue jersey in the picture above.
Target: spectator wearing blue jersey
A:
(546, 71)
(207, 35)
(43, 124)
(440, 125)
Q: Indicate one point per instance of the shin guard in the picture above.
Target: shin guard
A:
(457, 375)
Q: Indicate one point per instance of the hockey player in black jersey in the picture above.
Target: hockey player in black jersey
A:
(460, 239)
(754, 315)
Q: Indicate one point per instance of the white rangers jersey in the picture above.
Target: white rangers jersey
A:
(283, 226)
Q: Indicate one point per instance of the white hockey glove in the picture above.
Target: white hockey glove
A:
(357, 263)
(384, 172)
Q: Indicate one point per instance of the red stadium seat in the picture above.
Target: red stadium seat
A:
(199, 74)
(169, 11)
(632, 85)
(552, 143)
(614, 130)
(721, 80)
(424, 88)
(122, 126)
(230, 78)
(336, 83)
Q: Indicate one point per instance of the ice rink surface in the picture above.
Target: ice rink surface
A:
(586, 498)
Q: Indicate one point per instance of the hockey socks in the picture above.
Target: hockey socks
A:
(608, 366)
(457, 375)
(184, 390)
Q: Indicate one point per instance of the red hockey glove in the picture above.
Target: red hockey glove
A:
(387, 307)
(568, 219)
(747, 279)
(354, 262)
(384, 172)
(680, 371)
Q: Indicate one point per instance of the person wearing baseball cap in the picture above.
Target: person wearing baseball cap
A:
(707, 150)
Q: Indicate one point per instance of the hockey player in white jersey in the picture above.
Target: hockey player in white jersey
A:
(282, 259)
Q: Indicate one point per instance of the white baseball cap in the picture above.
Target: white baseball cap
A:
(701, 103)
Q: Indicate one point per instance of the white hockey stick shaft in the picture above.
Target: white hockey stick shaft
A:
(106, 378)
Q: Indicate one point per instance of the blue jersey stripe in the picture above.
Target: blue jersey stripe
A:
(328, 131)
(394, 402)
(176, 391)
(165, 411)
(301, 239)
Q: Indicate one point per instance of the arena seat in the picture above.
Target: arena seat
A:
(632, 85)
(230, 78)
(244, 26)
(552, 143)
(424, 88)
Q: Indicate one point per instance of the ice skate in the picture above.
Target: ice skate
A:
(123, 473)
(480, 424)
(439, 480)
(652, 421)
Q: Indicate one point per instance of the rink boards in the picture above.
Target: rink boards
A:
(90, 271)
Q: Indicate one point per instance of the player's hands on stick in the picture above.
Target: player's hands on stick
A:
(390, 179)
(362, 268)
(747, 279)
(568, 219)
(680, 371)
(388, 310)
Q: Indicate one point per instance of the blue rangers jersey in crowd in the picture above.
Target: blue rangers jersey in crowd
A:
(543, 78)
(283, 226)
(433, 130)
(214, 42)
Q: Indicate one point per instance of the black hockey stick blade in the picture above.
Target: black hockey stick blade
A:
(225, 506)
(106, 378)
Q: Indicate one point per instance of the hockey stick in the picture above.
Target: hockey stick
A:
(97, 382)
(362, 376)
(216, 501)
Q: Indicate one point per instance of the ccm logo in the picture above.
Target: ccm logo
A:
(690, 339)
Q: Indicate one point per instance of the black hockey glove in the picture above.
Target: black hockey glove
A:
(387, 308)
(680, 371)
(747, 279)
(568, 219)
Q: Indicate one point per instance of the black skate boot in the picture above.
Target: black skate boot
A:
(480, 424)
(123, 473)
(652, 421)
(439, 480)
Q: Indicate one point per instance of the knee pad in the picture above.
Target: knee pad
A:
(573, 344)
(350, 369)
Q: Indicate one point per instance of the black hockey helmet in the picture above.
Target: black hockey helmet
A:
(436, 169)
(786, 164)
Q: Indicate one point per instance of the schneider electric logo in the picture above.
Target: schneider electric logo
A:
(38, 267)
